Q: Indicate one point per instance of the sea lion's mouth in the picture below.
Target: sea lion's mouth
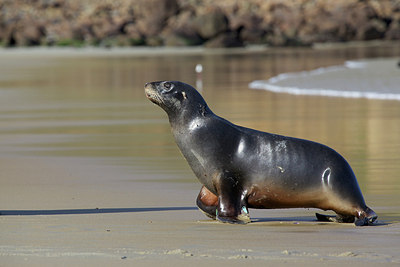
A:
(152, 95)
(153, 98)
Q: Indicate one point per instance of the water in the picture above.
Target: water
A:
(372, 78)
(92, 109)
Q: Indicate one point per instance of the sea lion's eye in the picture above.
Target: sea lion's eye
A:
(167, 86)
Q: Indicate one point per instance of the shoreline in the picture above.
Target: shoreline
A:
(94, 51)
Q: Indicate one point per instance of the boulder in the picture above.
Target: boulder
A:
(248, 26)
(181, 30)
(152, 15)
(229, 39)
(196, 22)
(393, 32)
(374, 29)
(210, 23)
(28, 35)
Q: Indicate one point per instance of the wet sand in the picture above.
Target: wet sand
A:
(50, 223)
(90, 174)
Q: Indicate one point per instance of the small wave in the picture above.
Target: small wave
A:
(355, 64)
(367, 75)
(289, 75)
(322, 92)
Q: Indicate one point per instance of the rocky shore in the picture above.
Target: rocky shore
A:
(225, 23)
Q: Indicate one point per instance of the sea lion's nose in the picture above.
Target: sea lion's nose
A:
(148, 85)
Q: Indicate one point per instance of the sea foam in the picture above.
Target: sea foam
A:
(373, 79)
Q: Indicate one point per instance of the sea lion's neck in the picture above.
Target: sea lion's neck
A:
(184, 117)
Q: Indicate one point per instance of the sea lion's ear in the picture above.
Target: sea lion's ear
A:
(180, 96)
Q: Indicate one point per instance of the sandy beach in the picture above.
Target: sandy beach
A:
(72, 225)
(90, 174)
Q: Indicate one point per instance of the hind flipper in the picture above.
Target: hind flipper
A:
(324, 218)
(339, 218)
(364, 217)
(367, 217)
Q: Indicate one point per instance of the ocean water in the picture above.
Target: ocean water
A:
(369, 78)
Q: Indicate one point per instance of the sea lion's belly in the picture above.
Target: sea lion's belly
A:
(275, 196)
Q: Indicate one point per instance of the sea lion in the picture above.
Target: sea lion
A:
(242, 168)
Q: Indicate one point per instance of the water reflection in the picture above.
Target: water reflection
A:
(95, 107)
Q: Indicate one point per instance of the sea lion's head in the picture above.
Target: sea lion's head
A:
(176, 98)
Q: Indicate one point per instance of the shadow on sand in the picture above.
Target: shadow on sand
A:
(286, 219)
(295, 220)
(89, 211)
(312, 219)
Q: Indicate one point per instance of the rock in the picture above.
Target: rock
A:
(154, 41)
(51, 3)
(195, 22)
(375, 29)
(229, 39)
(248, 26)
(393, 32)
(152, 15)
(59, 31)
(210, 23)
(283, 25)
(29, 35)
(133, 35)
(131, 30)
(181, 40)
(181, 31)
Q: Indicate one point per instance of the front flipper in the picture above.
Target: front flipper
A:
(232, 206)
(242, 218)
(207, 203)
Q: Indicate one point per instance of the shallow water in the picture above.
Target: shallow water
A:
(94, 108)
(377, 78)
